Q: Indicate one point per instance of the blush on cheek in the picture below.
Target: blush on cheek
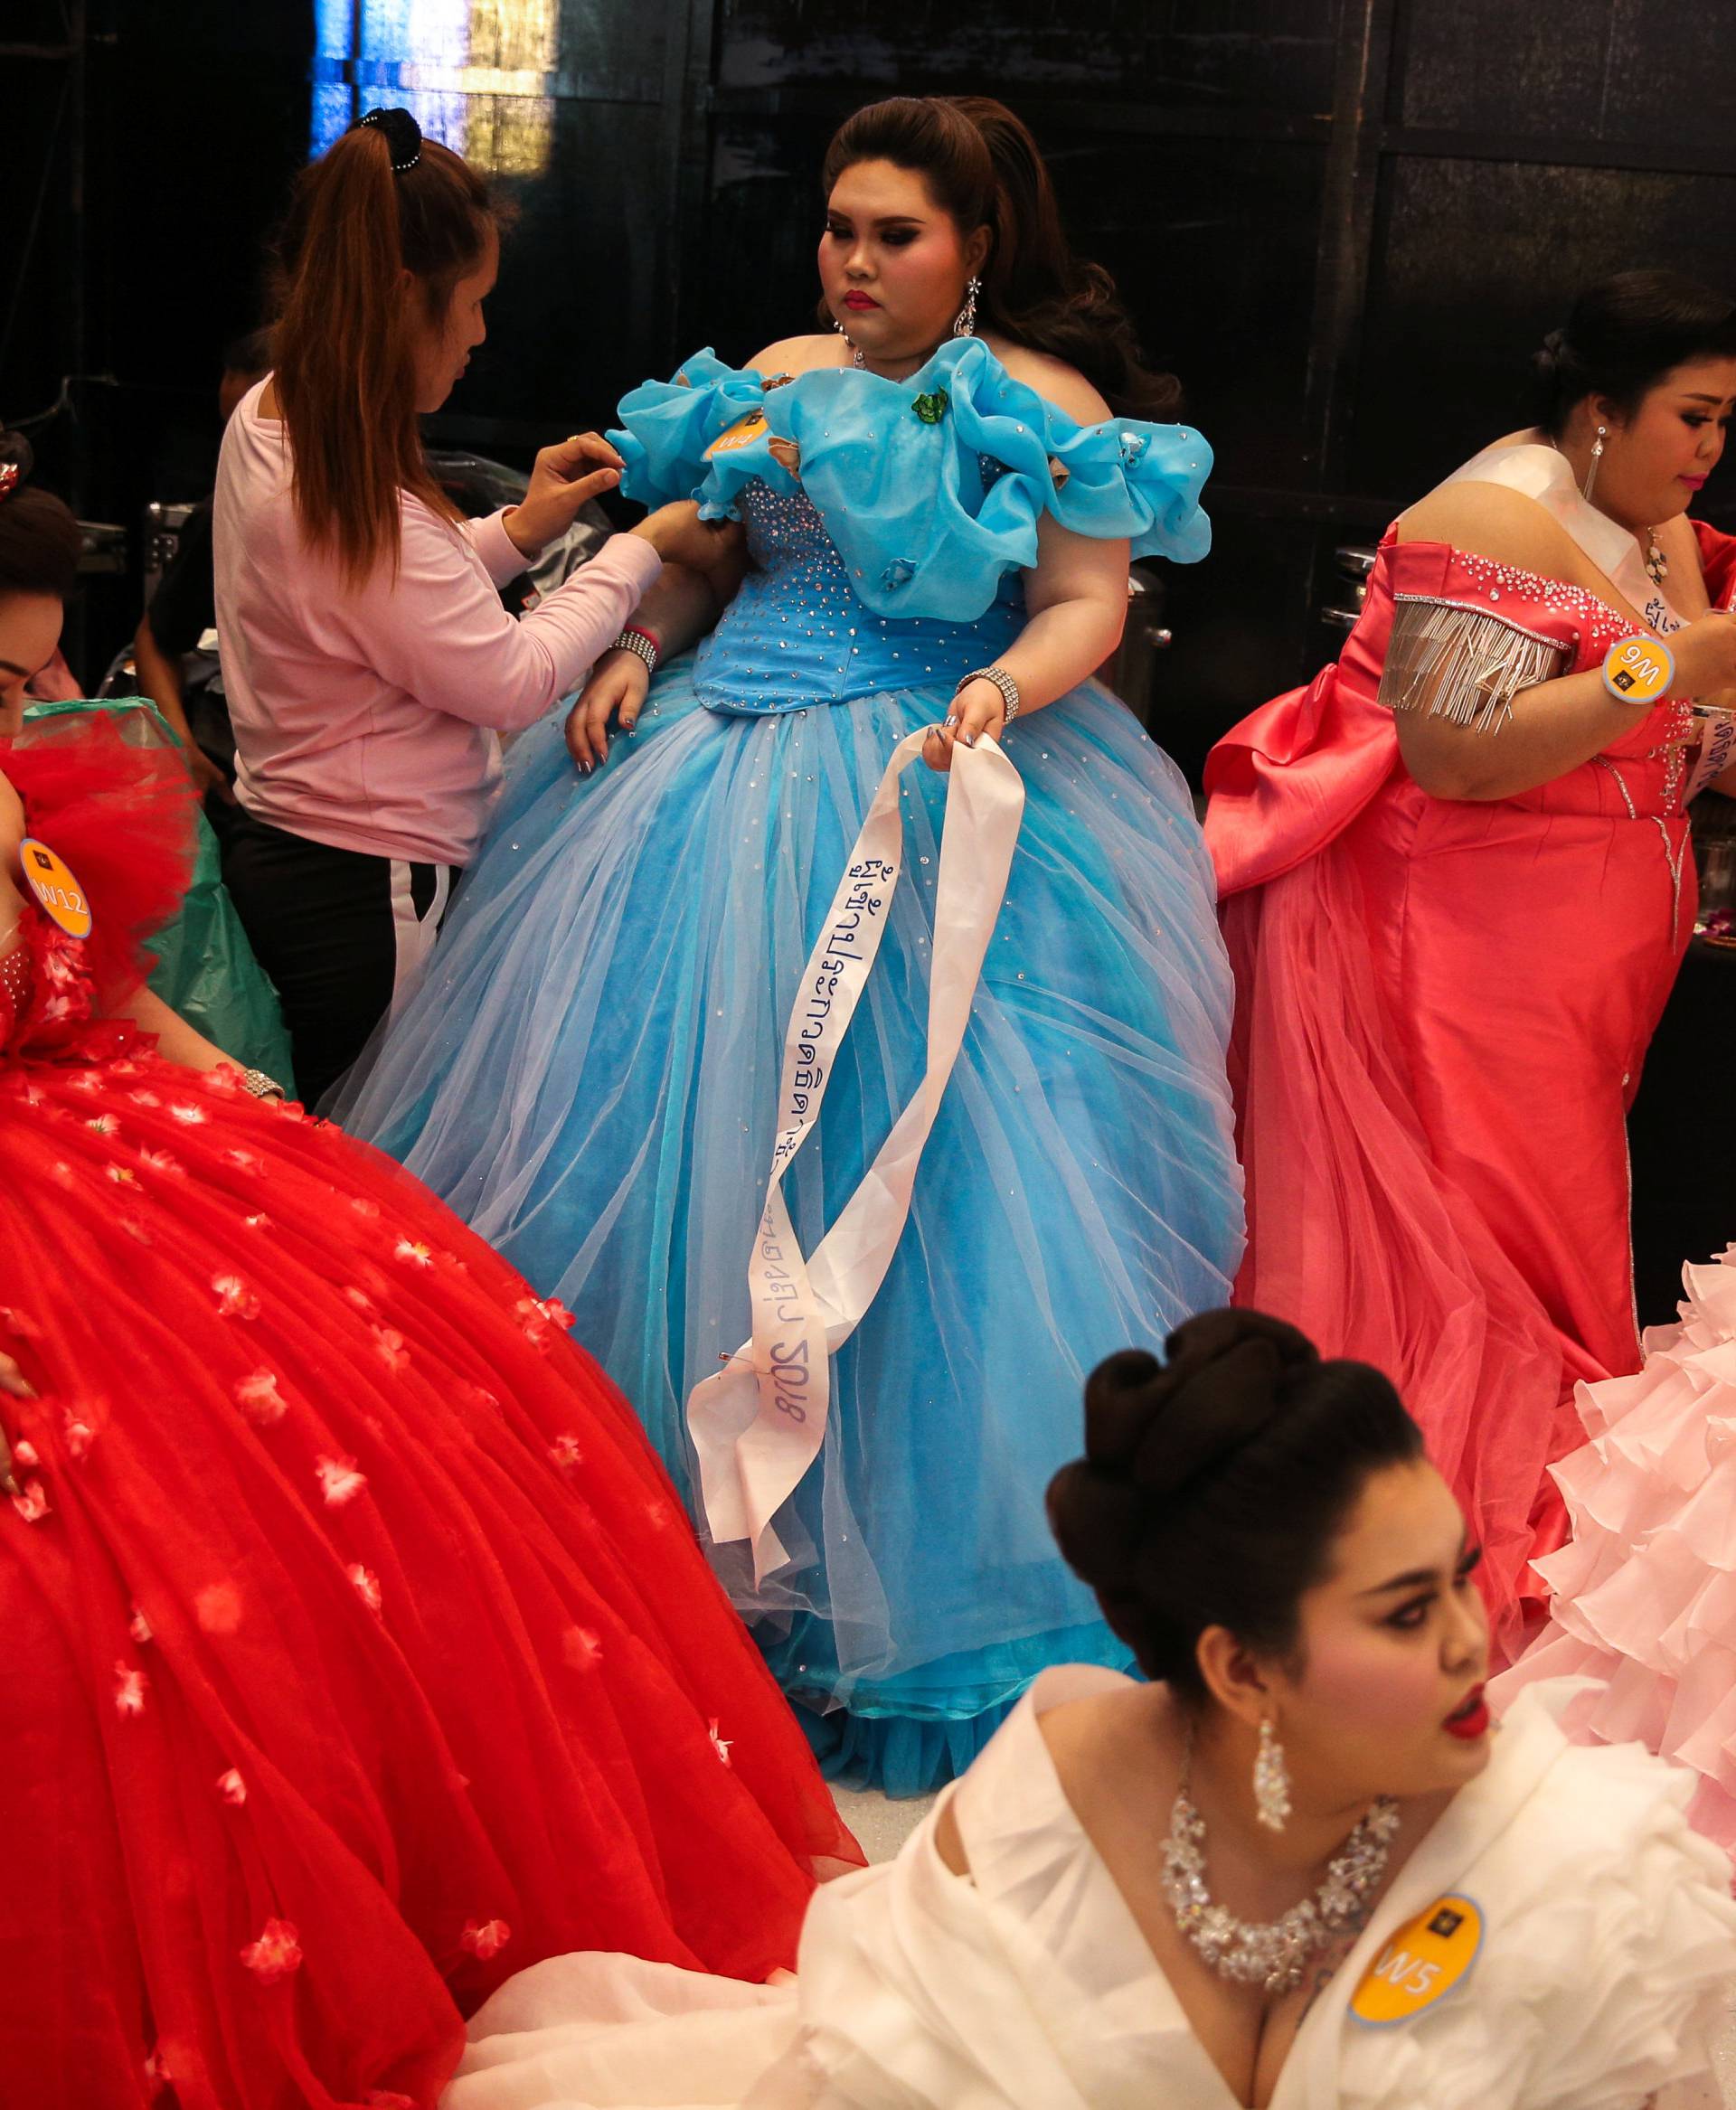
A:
(1371, 1691)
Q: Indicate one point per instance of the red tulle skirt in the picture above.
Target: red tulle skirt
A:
(358, 1652)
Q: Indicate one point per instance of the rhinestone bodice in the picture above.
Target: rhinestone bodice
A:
(797, 635)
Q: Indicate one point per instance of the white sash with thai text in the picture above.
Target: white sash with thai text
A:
(1542, 472)
(757, 1425)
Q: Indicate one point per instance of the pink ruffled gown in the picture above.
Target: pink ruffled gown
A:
(1442, 1009)
(1645, 1599)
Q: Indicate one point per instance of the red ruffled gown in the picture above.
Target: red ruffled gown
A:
(1442, 1009)
(357, 1652)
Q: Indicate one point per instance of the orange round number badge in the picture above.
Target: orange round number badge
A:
(742, 433)
(1639, 669)
(1421, 1964)
(49, 879)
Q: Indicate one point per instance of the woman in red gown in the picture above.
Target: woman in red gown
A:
(1455, 885)
(357, 1650)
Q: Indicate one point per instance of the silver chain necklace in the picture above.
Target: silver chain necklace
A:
(1274, 1954)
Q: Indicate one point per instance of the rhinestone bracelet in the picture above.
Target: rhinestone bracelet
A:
(1004, 681)
(642, 645)
(261, 1086)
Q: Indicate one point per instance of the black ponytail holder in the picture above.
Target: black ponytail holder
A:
(403, 137)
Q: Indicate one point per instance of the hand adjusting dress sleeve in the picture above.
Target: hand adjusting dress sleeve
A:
(436, 630)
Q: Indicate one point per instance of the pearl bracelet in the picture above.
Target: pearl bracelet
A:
(1004, 681)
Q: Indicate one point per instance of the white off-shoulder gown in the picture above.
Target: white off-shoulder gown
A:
(1608, 1950)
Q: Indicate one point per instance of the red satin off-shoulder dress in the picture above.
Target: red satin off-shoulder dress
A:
(1442, 1010)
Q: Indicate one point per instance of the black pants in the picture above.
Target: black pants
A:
(339, 932)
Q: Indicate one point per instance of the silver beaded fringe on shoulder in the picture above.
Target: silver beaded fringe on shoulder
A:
(1462, 663)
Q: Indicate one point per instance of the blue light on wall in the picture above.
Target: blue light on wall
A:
(477, 74)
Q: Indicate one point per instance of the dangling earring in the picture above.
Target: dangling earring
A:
(1597, 455)
(964, 323)
(1272, 1781)
(855, 349)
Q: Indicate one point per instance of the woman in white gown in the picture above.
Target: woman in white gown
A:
(1297, 1869)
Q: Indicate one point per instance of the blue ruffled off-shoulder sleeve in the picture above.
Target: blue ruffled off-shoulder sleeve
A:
(669, 427)
(930, 488)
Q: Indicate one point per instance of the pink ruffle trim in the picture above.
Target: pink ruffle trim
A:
(1644, 1591)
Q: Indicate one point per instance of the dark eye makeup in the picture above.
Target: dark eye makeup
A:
(896, 237)
(1414, 1611)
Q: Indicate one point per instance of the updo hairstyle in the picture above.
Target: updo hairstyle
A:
(40, 540)
(982, 166)
(1214, 1485)
(1623, 337)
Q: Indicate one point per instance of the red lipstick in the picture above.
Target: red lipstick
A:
(860, 300)
(1471, 1719)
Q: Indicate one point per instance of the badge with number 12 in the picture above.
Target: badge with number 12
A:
(49, 878)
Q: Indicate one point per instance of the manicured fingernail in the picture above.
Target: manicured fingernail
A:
(950, 723)
(971, 739)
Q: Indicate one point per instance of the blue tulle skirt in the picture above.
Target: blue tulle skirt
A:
(589, 1076)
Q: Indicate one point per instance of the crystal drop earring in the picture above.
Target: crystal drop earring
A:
(1597, 455)
(1272, 1781)
(964, 323)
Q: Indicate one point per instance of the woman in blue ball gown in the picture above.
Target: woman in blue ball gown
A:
(591, 1073)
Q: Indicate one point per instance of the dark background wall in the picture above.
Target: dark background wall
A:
(1345, 223)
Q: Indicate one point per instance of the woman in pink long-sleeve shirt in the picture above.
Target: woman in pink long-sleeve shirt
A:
(368, 664)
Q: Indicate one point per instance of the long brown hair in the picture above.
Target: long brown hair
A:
(346, 337)
(982, 167)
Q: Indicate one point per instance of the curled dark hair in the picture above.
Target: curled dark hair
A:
(40, 540)
(1214, 1485)
(982, 165)
(1623, 337)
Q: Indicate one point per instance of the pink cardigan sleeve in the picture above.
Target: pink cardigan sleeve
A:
(502, 558)
(437, 630)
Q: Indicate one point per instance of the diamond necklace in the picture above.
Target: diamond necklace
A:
(1274, 1954)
